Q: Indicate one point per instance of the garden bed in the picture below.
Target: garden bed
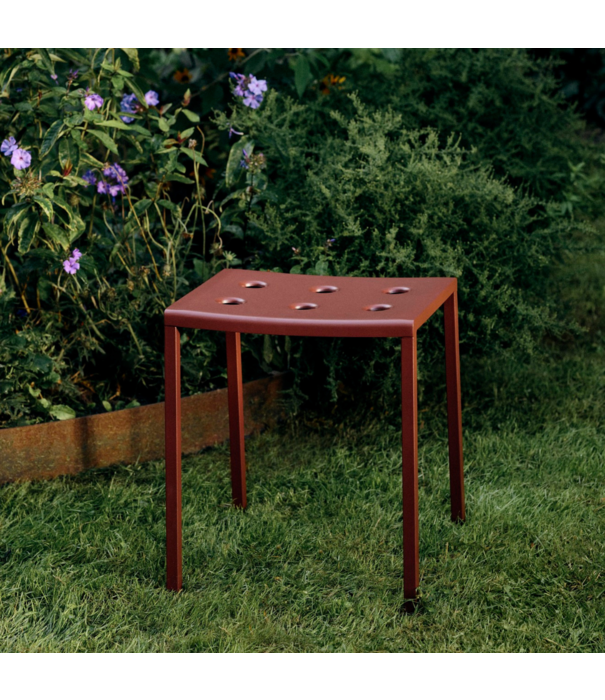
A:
(47, 450)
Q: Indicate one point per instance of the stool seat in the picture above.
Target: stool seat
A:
(311, 305)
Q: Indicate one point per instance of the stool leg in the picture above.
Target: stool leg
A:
(172, 406)
(236, 419)
(409, 439)
(454, 407)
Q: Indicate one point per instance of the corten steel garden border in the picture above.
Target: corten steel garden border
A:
(240, 301)
(46, 450)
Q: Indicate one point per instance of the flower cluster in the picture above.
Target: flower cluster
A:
(20, 158)
(254, 162)
(131, 105)
(113, 172)
(71, 265)
(93, 101)
(250, 88)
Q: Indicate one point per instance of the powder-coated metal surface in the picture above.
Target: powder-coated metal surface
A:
(310, 305)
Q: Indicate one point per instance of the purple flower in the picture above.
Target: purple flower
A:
(21, 159)
(250, 88)
(152, 98)
(9, 146)
(128, 104)
(253, 101)
(54, 77)
(72, 75)
(114, 190)
(102, 187)
(240, 79)
(255, 86)
(90, 177)
(233, 131)
(93, 101)
(116, 172)
(71, 266)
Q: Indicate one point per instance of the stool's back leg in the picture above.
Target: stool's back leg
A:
(409, 439)
(454, 406)
(236, 419)
(172, 406)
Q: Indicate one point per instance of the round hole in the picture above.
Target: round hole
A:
(396, 290)
(253, 284)
(230, 300)
(377, 307)
(324, 289)
(303, 307)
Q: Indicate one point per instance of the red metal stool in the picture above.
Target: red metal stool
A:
(242, 301)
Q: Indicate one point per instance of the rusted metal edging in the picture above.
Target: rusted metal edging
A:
(47, 450)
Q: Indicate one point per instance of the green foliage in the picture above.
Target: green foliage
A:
(468, 163)
(366, 196)
(103, 325)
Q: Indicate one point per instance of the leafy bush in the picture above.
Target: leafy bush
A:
(467, 164)
(363, 195)
(89, 159)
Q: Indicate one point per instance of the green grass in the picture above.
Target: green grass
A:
(315, 563)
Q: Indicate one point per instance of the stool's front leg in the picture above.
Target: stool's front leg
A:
(172, 406)
(409, 438)
(236, 419)
(454, 406)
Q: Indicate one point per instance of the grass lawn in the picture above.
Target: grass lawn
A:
(315, 563)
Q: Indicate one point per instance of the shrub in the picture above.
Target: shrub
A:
(94, 244)
(364, 195)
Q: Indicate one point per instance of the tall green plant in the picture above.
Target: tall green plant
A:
(102, 196)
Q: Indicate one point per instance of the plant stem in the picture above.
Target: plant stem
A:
(12, 269)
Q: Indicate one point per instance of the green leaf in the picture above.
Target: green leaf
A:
(133, 55)
(46, 60)
(114, 124)
(163, 124)
(61, 412)
(188, 133)
(27, 231)
(140, 129)
(302, 74)
(51, 136)
(57, 235)
(192, 116)
(175, 177)
(235, 157)
(195, 155)
(105, 139)
(91, 160)
(46, 205)
(14, 214)
(322, 267)
(106, 405)
(200, 267)
(141, 206)
(24, 107)
(69, 154)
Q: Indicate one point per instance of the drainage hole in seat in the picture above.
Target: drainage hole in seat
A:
(303, 307)
(396, 290)
(324, 289)
(230, 300)
(377, 307)
(253, 284)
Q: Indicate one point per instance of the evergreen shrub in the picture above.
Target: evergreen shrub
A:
(364, 195)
